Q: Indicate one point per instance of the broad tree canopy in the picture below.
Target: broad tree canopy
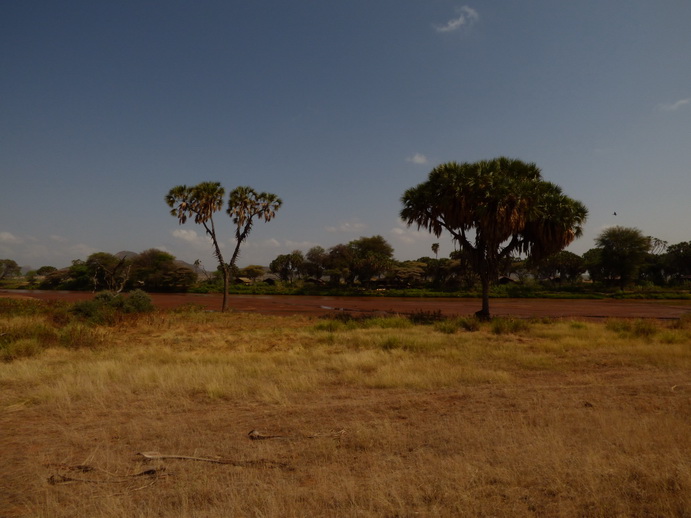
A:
(494, 209)
(623, 252)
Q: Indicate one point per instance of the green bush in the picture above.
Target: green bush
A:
(107, 308)
(96, 311)
(138, 302)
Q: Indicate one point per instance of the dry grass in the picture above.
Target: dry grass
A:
(545, 419)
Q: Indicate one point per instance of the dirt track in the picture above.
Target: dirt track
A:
(315, 305)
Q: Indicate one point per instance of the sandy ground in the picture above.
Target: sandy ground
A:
(316, 305)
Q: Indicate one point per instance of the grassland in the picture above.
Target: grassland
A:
(372, 417)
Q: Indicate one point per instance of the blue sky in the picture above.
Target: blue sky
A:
(337, 107)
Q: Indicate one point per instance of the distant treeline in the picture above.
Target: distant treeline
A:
(624, 258)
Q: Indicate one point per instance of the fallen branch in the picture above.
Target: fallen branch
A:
(59, 478)
(261, 463)
(255, 435)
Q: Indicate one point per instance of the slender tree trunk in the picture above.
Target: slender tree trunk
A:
(484, 314)
(226, 275)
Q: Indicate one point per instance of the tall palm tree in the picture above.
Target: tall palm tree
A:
(203, 200)
(493, 208)
(244, 204)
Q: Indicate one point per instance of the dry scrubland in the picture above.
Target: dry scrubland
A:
(374, 418)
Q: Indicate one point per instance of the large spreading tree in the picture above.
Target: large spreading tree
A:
(494, 209)
(623, 253)
(244, 206)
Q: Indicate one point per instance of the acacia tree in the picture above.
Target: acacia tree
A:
(678, 260)
(371, 257)
(244, 205)
(108, 271)
(623, 252)
(494, 209)
(9, 268)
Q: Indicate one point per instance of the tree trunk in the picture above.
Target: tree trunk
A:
(484, 314)
(226, 275)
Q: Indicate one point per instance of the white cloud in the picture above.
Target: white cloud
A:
(410, 235)
(348, 226)
(675, 106)
(80, 250)
(51, 250)
(7, 237)
(300, 245)
(190, 236)
(417, 158)
(466, 16)
(271, 243)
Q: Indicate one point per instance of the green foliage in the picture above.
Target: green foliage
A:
(564, 265)
(622, 253)
(156, 270)
(505, 203)
(677, 261)
(107, 308)
(8, 268)
(244, 205)
(138, 301)
(288, 266)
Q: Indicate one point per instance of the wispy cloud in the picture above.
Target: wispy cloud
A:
(348, 226)
(410, 235)
(190, 236)
(300, 245)
(665, 107)
(198, 242)
(417, 158)
(466, 16)
(7, 237)
(52, 250)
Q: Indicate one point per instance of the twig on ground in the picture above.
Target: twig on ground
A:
(256, 435)
(261, 463)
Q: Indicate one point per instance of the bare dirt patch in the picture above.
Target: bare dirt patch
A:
(316, 305)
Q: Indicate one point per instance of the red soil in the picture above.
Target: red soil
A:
(317, 305)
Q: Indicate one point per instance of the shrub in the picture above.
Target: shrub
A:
(106, 307)
(138, 302)
(96, 311)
